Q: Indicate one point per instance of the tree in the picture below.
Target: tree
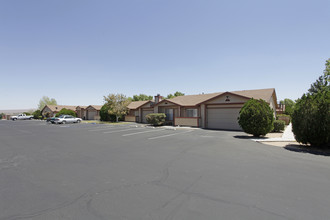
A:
(45, 100)
(104, 114)
(176, 94)
(1, 115)
(323, 81)
(311, 119)
(117, 104)
(256, 117)
(311, 115)
(37, 114)
(141, 97)
(65, 111)
(289, 105)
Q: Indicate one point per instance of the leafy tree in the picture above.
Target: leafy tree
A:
(27, 113)
(117, 104)
(65, 111)
(141, 97)
(311, 119)
(256, 117)
(104, 114)
(289, 105)
(37, 114)
(322, 83)
(1, 115)
(45, 100)
(176, 94)
(311, 115)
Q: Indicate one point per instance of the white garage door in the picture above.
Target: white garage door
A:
(144, 113)
(91, 115)
(223, 118)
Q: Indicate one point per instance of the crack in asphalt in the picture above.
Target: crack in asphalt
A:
(41, 212)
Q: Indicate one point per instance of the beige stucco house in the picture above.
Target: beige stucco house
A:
(92, 112)
(52, 110)
(215, 110)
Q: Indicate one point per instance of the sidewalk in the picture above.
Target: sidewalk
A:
(287, 136)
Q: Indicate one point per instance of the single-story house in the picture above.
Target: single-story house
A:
(215, 110)
(52, 110)
(81, 111)
(138, 111)
(93, 112)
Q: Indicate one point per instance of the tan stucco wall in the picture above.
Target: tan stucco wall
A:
(130, 118)
(193, 122)
(272, 105)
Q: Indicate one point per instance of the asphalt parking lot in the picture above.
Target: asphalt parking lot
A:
(128, 171)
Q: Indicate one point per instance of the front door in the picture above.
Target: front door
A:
(169, 114)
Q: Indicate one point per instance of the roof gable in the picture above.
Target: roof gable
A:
(137, 104)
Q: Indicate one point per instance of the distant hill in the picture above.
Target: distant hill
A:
(16, 111)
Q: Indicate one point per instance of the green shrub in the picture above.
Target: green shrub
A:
(279, 125)
(311, 119)
(256, 117)
(105, 116)
(65, 111)
(37, 114)
(156, 119)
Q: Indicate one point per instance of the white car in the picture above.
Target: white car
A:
(21, 117)
(63, 119)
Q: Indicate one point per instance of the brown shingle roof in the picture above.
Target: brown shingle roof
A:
(96, 107)
(136, 104)
(57, 108)
(192, 100)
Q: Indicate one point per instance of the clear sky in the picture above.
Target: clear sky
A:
(77, 51)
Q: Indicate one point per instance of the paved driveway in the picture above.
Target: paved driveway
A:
(90, 171)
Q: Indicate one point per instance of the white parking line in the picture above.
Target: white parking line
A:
(141, 132)
(108, 132)
(152, 138)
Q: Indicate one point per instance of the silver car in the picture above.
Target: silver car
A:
(63, 119)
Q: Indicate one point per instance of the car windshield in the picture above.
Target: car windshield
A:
(61, 116)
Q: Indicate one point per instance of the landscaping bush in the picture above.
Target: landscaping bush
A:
(256, 117)
(279, 125)
(156, 119)
(37, 114)
(311, 119)
(65, 111)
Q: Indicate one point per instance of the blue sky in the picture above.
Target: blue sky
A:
(80, 50)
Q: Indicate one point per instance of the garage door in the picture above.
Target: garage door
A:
(144, 113)
(91, 114)
(223, 118)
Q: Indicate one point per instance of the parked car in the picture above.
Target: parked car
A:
(21, 117)
(51, 120)
(63, 119)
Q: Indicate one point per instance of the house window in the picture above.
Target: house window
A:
(191, 112)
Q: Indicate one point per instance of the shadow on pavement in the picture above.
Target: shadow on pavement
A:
(307, 149)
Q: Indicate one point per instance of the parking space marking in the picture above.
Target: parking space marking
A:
(141, 132)
(168, 135)
(108, 132)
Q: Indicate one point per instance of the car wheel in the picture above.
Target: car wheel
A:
(78, 121)
(64, 122)
(14, 119)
